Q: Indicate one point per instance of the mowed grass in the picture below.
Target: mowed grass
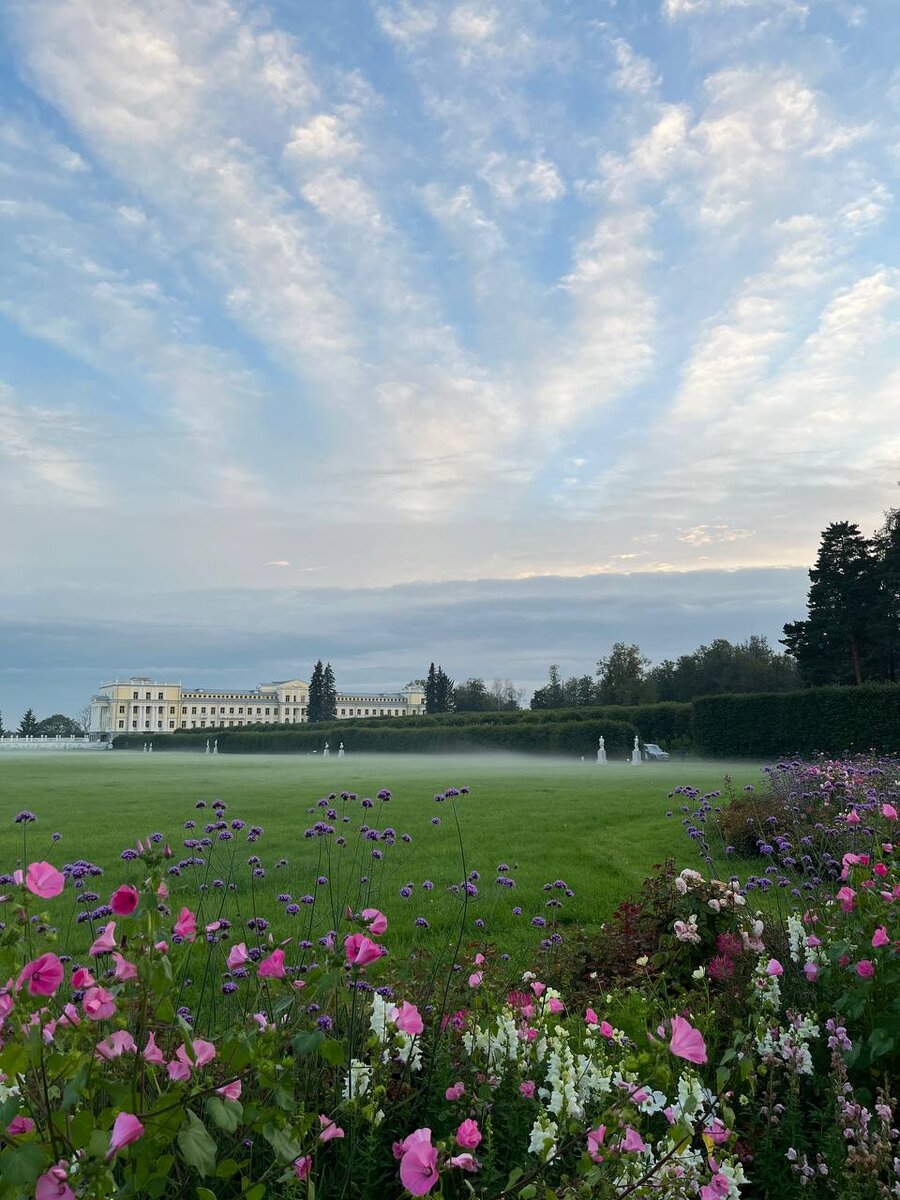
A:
(599, 829)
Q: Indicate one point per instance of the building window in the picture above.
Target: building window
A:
(267, 712)
(193, 712)
(134, 695)
(159, 724)
(240, 708)
(121, 708)
(159, 696)
(202, 724)
(134, 724)
(184, 710)
(121, 724)
(184, 724)
(231, 710)
(171, 724)
(193, 724)
(160, 709)
(171, 710)
(146, 695)
(146, 724)
(203, 708)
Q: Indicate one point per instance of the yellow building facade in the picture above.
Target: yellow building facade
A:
(143, 705)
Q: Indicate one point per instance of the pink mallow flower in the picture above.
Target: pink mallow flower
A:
(151, 1053)
(124, 969)
(847, 897)
(237, 956)
(880, 937)
(632, 1141)
(43, 975)
(475, 979)
(124, 900)
(186, 925)
(811, 971)
(117, 1043)
(865, 968)
(774, 967)
(98, 1004)
(330, 1129)
(407, 1018)
(526, 1089)
(20, 1124)
(52, 1185)
(303, 1166)
(360, 950)
(43, 879)
(273, 966)
(686, 1041)
(106, 942)
(376, 921)
(888, 810)
(465, 1162)
(418, 1165)
(230, 1091)
(82, 978)
(126, 1129)
(468, 1136)
(455, 1092)
(595, 1139)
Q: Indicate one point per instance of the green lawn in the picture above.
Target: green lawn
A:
(599, 829)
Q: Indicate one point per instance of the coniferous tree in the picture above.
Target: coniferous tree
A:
(2, 730)
(315, 704)
(431, 690)
(443, 691)
(835, 643)
(887, 610)
(329, 695)
(28, 725)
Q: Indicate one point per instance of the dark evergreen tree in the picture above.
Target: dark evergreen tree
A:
(28, 725)
(315, 704)
(431, 691)
(887, 606)
(443, 691)
(2, 730)
(329, 695)
(837, 641)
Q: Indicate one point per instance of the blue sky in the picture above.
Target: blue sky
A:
(312, 314)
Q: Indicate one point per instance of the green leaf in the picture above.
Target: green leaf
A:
(226, 1168)
(205, 1194)
(333, 1052)
(224, 1115)
(880, 1042)
(75, 1088)
(197, 1147)
(23, 1164)
(257, 1192)
(283, 1145)
(307, 1043)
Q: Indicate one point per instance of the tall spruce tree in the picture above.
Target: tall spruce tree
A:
(836, 642)
(443, 692)
(887, 615)
(329, 694)
(28, 725)
(431, 690)
(315, 704)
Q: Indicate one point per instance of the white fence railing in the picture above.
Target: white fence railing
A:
(15, 742)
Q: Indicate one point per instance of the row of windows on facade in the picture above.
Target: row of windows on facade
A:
(220, 724)
(228, 696)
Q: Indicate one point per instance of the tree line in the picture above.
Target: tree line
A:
(58, 725)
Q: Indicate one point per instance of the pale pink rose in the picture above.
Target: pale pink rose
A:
(468, 1136)
(376, 921)
(526, 1088)
(126, 1129)
(407, 1018)
(538, 988)
(273, 966)
(43, 975)
(606, 1029)
(186, 925)
(98, 1004)
(124, 969)
(455, 1092)
(330, 1130)
(124, 900)
(556, 1006)
(237, 956)
(591, 1017)
(106, 942)
(475, 979)
(811, 971)
(44, 880)
(889, 811)
(852, 817)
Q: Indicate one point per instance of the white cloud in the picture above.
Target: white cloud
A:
(634, 73)
(706, 535)
(513, 181)
(44, 451)
(324, 137)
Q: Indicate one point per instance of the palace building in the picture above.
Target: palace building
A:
(142, 705)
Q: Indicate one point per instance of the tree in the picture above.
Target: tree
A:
(329, 695)
(473, 696)
(887, 603)
(431, 690)
(83, 718)
(552, 695)
(28, 725)
(623, 675)
(2, 730)
(835, 643)
(315, 703)
(723, 666)
(443, 692)
(505, 696)
(58, 726)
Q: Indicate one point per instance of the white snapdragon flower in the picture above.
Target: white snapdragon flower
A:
(359, 1076)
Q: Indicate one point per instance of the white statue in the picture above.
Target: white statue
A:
(325, 751)
(601, 752)
(216, 746)
(341, 750)
(636, 758)
(207, 745)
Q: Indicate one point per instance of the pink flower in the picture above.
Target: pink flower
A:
(106, 942)
(880, 937)
(360, 950)
(811, 971)
(82, 978)
(468, 1136)
(204, 1052)
(632, 1141)
(330, 1129)
(44, 880)
(774, 967)
(186, 925)
(179, 1070)
(888, 810)
(595, 1139)
(407, 1018)
(606, 1029)
(52, 1185)
(273, 966)
(117, 1043)
(126, 1129)
(465, 1162)
(376, 921)
(303, 1166)
(717, 1132)
(526, 1088)
(456, 1092)
(124, 969)
(7, 1000)
(230, 1091)
(717, 1187)
(846, 895)
(880, 869)
(591, 1017)
(475, 979)
(151, 1052)
(162, 947)
(124, 900)
(43, 975)
(865, 968)
(556, 1006)
(98, 1004)
(20, 1125)
(237, 956)
(686, 1041)
(418, 1166)
(852, 817)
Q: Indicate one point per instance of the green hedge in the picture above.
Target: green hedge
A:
(830, 720)
(557, 737)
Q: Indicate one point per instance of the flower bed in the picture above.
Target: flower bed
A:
(159, 1041)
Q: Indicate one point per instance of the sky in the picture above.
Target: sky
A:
(386, 331)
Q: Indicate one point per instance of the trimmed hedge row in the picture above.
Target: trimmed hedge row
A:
(559, 737)
(830, 720)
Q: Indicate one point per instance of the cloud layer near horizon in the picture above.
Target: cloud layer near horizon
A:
(418, 292)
